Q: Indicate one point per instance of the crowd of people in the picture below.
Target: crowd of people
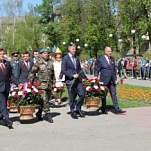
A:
(47, 71)
(137, 67)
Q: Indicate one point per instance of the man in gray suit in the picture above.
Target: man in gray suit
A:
(24, 67)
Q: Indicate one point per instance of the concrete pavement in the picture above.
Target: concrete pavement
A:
(127, 132)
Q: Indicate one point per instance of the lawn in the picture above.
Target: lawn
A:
(128, 96)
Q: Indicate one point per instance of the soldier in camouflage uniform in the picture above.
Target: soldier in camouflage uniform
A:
(45, 81)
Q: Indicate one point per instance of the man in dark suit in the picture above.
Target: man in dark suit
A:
(71, 68)
(24, 67)
(5, 77)
(33, 60)
(106, 68)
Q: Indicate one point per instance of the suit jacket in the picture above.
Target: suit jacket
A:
(23, 72)
(6, 78)
(105, 70)
(68, 69)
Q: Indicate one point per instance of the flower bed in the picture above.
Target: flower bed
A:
(134, 94)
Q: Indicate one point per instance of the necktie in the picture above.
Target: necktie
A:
(3, 68)
(110, 61)
(27, 65)
(74, 61)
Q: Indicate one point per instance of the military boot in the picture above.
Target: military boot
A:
(39, 115)
(49, 118)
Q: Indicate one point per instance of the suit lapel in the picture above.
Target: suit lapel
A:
(70, 61)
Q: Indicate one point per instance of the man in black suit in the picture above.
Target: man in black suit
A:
(5, 77)
(71, 68)
(24, 67)
(33, 60)
(105, 66)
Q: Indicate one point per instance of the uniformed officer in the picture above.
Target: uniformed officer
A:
(14, 63)
(45, 81)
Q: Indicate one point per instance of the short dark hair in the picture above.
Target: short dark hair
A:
(71, 45)
(26, 52)
(2, 49)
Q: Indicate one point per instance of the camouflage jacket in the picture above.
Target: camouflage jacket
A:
(45, 74)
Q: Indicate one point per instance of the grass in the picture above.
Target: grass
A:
(123, 103)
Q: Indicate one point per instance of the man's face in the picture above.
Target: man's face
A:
(45, 55)
(36, 55)
(2, 55)
(108, 51)
(72, 50)
(26, 57)
(15, 58)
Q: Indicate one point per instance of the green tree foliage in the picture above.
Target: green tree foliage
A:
(49, 19)
(135, 15)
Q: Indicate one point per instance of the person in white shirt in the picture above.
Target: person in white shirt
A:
(58, 76)
(57, 68)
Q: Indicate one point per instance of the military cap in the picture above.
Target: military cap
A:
(43, 50)
(15, 54)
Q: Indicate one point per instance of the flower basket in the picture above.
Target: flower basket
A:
(92, 103)
(58, 90)
(58, 95)
(13, 109)
(26, 112)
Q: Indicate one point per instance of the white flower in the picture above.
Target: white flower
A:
(55, 89)
(20, 93)
(101, 83)
(13, 93)
(36, 90)
(59, 84)
(102, 88)
(95, 86)
(28, 90)
(93, 81)
(87, 88)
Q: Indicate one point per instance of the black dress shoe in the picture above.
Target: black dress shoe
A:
(9, 124)
(104, 112)
(80, 114)
(49, 118)
(1, 122)
(74, 115)
(39, 117)
(118, 111)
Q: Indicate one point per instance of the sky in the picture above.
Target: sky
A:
(26, 2)
(25, 5)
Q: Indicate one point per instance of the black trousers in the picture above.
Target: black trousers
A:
(3, 105)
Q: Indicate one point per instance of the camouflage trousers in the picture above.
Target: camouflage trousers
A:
(46, 95)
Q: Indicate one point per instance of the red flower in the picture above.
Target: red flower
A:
(98, 89)
(90, 90)
(84, 85)
(15, 96)
(33, 92)
(8, 103)
(97, 81)
(35, 84)
(121, 80)
(24, 92)
(29, 85)
(105, 87)
(40, 91)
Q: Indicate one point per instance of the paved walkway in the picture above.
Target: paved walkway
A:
(127, 132)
